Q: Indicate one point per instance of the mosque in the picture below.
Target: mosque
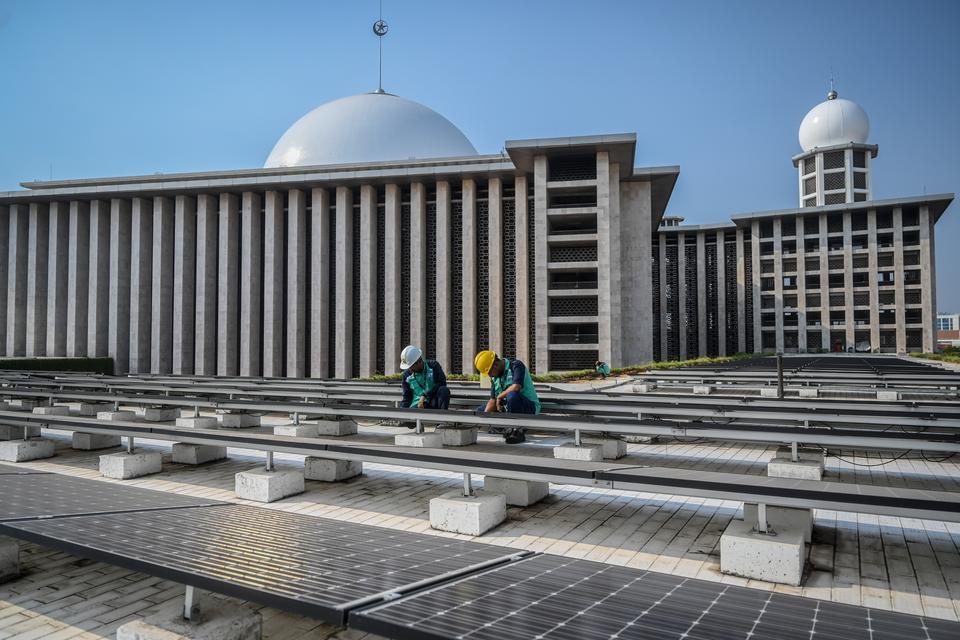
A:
(375, 223)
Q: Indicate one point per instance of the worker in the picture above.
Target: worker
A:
(424, 382)
(602, 368)
(511, 389)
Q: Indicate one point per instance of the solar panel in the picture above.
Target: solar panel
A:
(314, 566)
(9, 469)
(555, 598)
(47, 495)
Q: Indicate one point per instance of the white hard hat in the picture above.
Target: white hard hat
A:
(409, 356)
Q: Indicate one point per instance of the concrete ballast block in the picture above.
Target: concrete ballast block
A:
(123, 466)
(519, 493)
(327, 470)
(472, 515)
(336, 428)
(261, 485)
(585, 453)
(237, 420)
(800, 470)
(750, 554)
(118, 416)
(198, 423)
(809, 392)
(51, 411)
(26, 450)
(613, 448)
(888, 396)
(768, 392)
(157, 414)
(783, 518)
(218, 619)
(184, 453)
(11, 432)
(93, 441)
(86, 409)
(426, 440)
(645, 387)
(296, 430)
(458, 436)
(20, 404)
(9, 559)
(702, 389)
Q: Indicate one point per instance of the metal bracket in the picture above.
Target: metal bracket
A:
(269, 465)
(763, 527)
(191, 604)
(794, 455)
(129, 444)
(467, 485)
(419, 426)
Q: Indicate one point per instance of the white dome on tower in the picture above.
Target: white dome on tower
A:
(370, 127)
(832, 122)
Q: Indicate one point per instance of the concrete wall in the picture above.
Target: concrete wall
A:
(636, 324)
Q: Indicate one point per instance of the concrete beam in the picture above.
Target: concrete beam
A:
(78, 278)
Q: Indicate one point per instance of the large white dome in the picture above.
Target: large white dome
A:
(834, 121)
(370, 127)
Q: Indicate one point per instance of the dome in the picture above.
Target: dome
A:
(370, 127)
(834, 121)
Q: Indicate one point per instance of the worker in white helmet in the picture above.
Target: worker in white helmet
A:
(424, 382)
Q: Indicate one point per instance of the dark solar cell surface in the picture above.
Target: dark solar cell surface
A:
(9, 469)
(557, 598)
(38, 495)
(301, 563)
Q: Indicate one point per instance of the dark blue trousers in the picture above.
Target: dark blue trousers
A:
(440, 399)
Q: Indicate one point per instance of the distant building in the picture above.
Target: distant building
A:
(948, 329)
(375, 224)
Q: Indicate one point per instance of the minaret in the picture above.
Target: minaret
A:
(834, 167)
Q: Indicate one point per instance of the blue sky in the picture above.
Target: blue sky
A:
(719, 88)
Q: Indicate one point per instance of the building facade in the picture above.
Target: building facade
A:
(552, 251)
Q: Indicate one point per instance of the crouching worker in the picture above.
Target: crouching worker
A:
(511, 389)
(424, 382)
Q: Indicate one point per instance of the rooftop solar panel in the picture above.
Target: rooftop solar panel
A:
(555, 598)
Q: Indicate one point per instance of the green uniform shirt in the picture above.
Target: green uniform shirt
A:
(511, 370)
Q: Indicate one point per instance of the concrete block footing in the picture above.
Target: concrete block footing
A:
(427, 440)
(808, 392)
(336, 428)
(702, 389)
(519, 493)
(769, 392)
(888, 396)
(85, 409)
(18, 404)
(612, 448)
(219, 619)
(458, 436)
(237, 420)
(157, 414)
(645, 387)
(800, 470)
(55, 410)
(305, 430)
(93, 441)
(184, 453)
(198, 423)
(584, 453)
(783, 518)
(472, 515)
(327, 470)
(260, 485)
(9, 559)
(118, 416)
(124, 466)
(775, 557)
(26, 450)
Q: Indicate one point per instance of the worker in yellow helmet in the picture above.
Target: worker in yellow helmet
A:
(511, 389)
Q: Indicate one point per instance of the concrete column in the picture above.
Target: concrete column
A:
(320, 299)
(664, 329)
(495, 270)
(418, 265)
(444, 337)
(850, 338)
(118, 323)
(873, 262)
(5, 224)
(682, 293)
(273, 284)
(37, 242)
(702, 293)
(824, 282)
(343, 358)
(228, 286)
(368, 280)
(205, 307)
(778, 279)
(900, 296)
(163, 282)
(616, 268)
(801, 285)
(184, 285)
(16, 326)
(721, 295)
(141, 283)
(542, 279)
(98, 289)
(606, 230)
(741, 293)
(251, 283)
(58, 256)
(928, 280)
(392, 255)
(296, 284)
(755, 269)
(469, 276)
(78, 278)
(521, 232)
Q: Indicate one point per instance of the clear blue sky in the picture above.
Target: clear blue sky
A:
(117, 87)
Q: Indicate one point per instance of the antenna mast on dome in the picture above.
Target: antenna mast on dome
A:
(380, 28)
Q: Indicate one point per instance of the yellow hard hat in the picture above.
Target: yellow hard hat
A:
(484, 361)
